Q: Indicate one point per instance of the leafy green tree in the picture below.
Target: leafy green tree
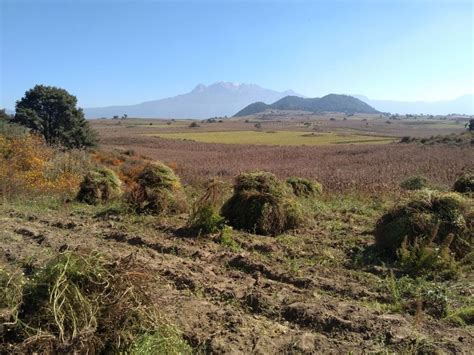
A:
(471, 125)
(53, 113)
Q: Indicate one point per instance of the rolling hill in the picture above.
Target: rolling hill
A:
(328, 103)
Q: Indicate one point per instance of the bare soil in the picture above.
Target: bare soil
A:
(297, 293)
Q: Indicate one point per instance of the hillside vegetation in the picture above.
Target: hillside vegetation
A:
(328, 103)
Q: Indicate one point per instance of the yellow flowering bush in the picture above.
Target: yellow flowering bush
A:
(28, 164)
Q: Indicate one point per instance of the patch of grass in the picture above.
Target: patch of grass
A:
(206, 219)
(422, 258)
(165, 340)
(415, 183)
(463, 316)
(226, 238)
(277, 138)
(11, 289)
(417, 295)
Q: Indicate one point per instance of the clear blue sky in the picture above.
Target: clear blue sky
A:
(123, 52)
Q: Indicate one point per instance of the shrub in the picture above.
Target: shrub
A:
(205, 215)
(424, 258)
(83, 304)
(464, 183)
(430, 218)
(157, 190)
(28, 166)
(415, 183)
(99, 185)
(303, 187)
(262, 204)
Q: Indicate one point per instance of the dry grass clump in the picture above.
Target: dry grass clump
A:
(126, 163)
(262, 204)
(431, 228)
(205, 214)
(415, 183)
(157, 190)
(11, 287)
(465, 183)
(83, 304)
(98, 186)
(304, 187)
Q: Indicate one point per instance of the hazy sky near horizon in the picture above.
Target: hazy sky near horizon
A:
(123, 52)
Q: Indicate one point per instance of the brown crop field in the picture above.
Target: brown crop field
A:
(339, 167)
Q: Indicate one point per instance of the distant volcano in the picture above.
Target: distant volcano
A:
(218, 99)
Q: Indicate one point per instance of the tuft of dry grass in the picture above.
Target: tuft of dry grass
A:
(157, 190)
(205, 214)
(262, 204)
(85, 304)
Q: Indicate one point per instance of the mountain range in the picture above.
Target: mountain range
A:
(461, 105)
(328, 103)
(216, 100)
(225, 99)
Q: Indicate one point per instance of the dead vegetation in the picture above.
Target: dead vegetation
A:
(368, 169)
(85, 304)
(157, 190)
(205, 214)
(99, 185)
(262, 204)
